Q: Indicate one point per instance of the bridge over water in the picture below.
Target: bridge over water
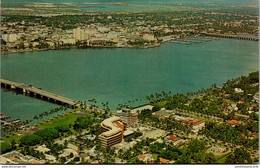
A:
(231, 36)
(38, 93)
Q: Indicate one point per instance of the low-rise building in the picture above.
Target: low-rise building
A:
(164, 161)
(67, 152)
(139, 109)
(162, 114)
(149, 37)
(233, 122)
(147, 158)
(173, 139)
(196, 124)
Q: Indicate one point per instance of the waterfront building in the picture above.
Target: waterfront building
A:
(114, 130)
(149, 37)
(139, 109)
(130, 118)
(79, 34)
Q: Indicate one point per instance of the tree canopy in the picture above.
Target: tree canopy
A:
(83, 122)
(5, 147)
(31, 140)
(48, 133)
(62, 128)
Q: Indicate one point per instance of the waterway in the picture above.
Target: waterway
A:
(122, 74)
(131, 5)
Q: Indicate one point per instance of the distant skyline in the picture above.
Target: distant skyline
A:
(130, 1)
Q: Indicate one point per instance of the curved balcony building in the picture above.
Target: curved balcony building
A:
(114, 130)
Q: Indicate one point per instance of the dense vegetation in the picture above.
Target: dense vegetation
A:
(240, 156)
(48, 134)
(231, 134)
(82, 122)
(31, 140)
(5, 147)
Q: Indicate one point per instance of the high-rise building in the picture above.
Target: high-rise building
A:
(114, 130)
(79, 34)
(129, 117)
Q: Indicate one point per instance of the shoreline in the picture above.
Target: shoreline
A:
(75, 47)
(94, 47)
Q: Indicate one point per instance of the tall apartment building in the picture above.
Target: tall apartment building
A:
(114, 130)
(79, 34)
(129, 117)
(85, 33)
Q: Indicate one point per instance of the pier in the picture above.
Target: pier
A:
(231, 36)
(38, 93)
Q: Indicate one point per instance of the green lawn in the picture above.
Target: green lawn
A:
(61, 120)
(15, 137)
(222, 158)
(160, 104)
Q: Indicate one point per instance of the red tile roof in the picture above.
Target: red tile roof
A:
(141, 156)
(35, 162)
(162, 160)
(233, 122)
(173, 137)
(254, 133)
(192, 121)
(13, 158)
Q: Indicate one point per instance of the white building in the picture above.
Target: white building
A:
(79, 34)
(10, 37)
(130, 118)
(149, 37)
(68, 40)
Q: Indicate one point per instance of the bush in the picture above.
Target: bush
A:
(76, 159)
(48, 134)
(156, 108)
(31, 140)
(5, 147)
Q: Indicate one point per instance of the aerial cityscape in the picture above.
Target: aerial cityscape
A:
(129, 82)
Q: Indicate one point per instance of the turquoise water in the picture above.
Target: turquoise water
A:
(121, 74)
(87, 137)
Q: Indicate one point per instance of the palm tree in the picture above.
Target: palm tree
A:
(46, 113)
(35, 117)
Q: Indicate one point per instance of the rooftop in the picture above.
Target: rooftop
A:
(147, 107)
(173, 138)
(141, 157)
(162, 160)
(192, 121)
(233, 122)
(163, 113)
(109, 123)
